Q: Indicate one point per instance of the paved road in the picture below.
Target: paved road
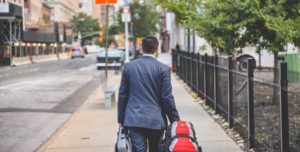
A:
(36, 99)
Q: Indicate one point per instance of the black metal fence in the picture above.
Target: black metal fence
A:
(257, 109)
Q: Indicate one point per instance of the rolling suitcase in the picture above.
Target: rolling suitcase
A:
(123, 143)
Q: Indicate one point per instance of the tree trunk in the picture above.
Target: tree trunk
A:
(214, 48)
(276, 78)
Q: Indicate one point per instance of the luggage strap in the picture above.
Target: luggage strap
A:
(185, 136)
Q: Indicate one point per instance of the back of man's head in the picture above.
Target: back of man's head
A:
(150, 44)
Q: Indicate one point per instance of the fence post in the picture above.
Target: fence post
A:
(284, 113)
(186, 66)
(198, 74)
(205, 79)
(180, 64)
(183, 65)
(189, 69)
(230, 91)
(175, 61)
(216, 83)
(192, 70)
(251, 125)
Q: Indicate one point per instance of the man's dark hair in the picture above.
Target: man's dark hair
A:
(149, 44)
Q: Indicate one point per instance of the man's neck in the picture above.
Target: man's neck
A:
(151, 55)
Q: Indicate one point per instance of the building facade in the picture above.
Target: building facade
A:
(86, 6)
(33, 13)
(102, 17)
(62, 10)
(11, 25)
(99, 13)
(27, 30)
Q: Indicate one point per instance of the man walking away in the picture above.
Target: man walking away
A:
(145, 99)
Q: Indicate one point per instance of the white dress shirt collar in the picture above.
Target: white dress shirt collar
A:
(150, 55)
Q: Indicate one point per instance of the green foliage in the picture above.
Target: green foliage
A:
(84, 24)
(232, 24)
(114, 29)
(298, 137)
(144, 19)
(102, 43)
(186, 11)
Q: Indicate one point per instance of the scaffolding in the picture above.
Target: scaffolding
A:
(10, 34)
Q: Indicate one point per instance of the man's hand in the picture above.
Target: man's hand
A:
(120, 125)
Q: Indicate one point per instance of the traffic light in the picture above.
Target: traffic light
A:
(139, 41)
(101, 32)
(101, 36)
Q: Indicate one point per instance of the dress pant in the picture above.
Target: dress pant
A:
(141, 138)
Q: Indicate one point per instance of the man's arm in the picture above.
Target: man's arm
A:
(123, 96)
(167, 97)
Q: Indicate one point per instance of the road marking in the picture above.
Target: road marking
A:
(20, 85)
(13, 85)
(34, 70)
(88, 68)
(7, 75)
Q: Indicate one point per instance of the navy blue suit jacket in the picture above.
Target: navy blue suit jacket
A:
(145, 95)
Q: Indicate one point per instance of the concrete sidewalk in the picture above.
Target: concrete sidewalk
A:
(93, 128)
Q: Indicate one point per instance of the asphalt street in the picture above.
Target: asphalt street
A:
(36, 99)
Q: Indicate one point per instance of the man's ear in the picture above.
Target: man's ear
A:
(156, 52)
(141, 50)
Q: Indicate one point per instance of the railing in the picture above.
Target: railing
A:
(255, 108)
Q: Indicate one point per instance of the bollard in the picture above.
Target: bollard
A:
(109, 99)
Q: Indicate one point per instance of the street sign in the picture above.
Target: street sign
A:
(126, 9)
(61, 38)
(126, 17)
(106, 1)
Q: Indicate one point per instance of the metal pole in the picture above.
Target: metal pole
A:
(188, 40)
(230, 93)
(106, 40)
(126, 42)
(23, 15)
(10, 43)
(216, 85)
(205, 79)
(284, 112)
(126, 37)
(198, 74)
(194, 42)
(251, 125)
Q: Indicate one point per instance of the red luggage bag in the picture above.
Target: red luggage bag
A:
(180, 137)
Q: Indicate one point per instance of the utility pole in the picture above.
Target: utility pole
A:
(126, 42)
(10, 42)
(126, 18)
(106, 40)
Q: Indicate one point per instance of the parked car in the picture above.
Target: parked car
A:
(77, 52)
(92, 48)
(130, 50)
(116, 59)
